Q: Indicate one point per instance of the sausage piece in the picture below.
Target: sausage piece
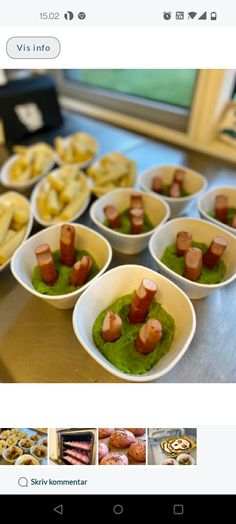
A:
(46, 264)
(81, 271)
(157, 184)
(136, 202)
(149, 335)
(193, 263)
(214, 252)
(183, 242)
(141, 301)
(111, 327)
(174, 190)
(136, 219)
(221, 208)
(112, 216)
(67, 245)
(179, 176)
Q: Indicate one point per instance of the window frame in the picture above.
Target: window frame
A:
(168, 115)
(212, 91)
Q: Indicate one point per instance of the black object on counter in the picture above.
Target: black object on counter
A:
(27, 106)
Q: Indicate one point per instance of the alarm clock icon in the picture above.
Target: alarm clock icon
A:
(167, 15)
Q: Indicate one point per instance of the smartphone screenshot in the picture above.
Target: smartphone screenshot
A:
(118, 258)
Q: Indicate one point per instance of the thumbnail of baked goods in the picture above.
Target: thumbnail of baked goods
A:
(172, 447)
(73, 447)
(122, 447)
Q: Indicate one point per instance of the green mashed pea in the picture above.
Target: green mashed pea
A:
(122, 353)
(126, 224)
(62, 285)
(208, 276)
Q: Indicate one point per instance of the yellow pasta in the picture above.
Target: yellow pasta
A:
(77, 148)
(8, 248)
(20, 216)
(112, 170)
(30, 162)
(42, 206)
(5, 221)
(53, 204)
(76, 203)
(70, 191)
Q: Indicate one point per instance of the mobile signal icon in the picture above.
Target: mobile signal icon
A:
(192, 15)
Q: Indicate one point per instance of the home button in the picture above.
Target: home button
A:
(118, 509)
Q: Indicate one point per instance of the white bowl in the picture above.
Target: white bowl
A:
(121, 281)
(80, 165)
(24, 260)
(22, 203)
(165, 462)
(194, 184)
(19, 461)
(6, 451)
(184, 455)
(25, 450)
(22, 186)
(32, 451)
(202, 232)
(157, 210)
(36, 214)
(2, 448)
(207, 203)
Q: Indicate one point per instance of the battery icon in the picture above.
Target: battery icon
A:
(213, 15)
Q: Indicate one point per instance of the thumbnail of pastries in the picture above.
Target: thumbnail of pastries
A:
(23, 446)
(73, 447)
(172, 447)
(121, 447)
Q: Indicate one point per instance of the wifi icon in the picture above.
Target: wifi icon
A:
(192, 15)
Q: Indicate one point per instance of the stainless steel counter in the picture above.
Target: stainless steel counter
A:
(37, 342)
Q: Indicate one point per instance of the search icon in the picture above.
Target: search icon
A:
(23, 482)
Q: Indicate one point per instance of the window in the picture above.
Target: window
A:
(161, 96)
(170, 86)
